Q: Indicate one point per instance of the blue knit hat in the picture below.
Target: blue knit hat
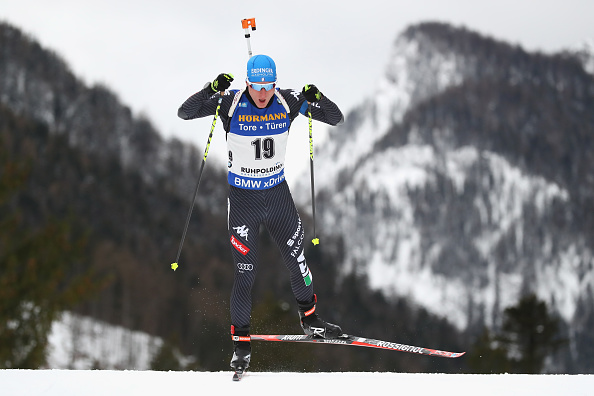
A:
(261, 68)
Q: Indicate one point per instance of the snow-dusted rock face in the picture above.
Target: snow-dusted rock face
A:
(440, 185)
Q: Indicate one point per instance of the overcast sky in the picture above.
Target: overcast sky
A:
(154, 54)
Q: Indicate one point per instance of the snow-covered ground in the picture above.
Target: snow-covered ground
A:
(78, 342)
(131, 383)
(81, 343)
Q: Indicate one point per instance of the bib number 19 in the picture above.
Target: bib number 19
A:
(263, 147)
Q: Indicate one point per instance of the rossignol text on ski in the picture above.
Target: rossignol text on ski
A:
(346, 339)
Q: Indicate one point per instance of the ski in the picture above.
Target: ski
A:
(346, 339)
(238, 374)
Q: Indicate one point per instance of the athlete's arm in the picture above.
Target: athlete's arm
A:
(204, 103)
(324, 110)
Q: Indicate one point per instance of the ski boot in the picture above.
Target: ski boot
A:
(242, 350)
(313, 325)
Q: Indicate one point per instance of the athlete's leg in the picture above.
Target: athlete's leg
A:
(285, 227)
(244, 218)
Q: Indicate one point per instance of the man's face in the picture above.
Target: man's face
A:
(259, 94)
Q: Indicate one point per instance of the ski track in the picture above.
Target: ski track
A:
(131, 383)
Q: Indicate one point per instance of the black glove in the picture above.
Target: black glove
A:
(311, 93)
(222, 82)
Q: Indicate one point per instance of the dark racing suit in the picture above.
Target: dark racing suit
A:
(258, 192)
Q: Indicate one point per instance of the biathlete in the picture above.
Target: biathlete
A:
(257, 120)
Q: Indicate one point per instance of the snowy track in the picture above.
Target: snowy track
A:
(132, 383)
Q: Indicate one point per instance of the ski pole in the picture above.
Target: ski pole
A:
(174, 265)
(246, 24)
(315, 240)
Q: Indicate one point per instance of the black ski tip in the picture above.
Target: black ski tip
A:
(238, 375)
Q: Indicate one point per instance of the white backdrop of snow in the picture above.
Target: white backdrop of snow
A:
(140, 383)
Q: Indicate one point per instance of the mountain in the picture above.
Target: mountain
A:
(125, 191)
(460, 185)
(464, 180)
(123, 188)
(585, 53)
(37, 83)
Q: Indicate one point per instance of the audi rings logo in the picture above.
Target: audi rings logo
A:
(245, 267)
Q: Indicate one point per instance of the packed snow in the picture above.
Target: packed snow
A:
(78, 341)
(131, 383)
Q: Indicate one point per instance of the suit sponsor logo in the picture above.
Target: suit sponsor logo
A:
(240, 247)
(257, 171)
(242, 231)
(258, 184)
(296, 235)
(305, 272)
(245, 267)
